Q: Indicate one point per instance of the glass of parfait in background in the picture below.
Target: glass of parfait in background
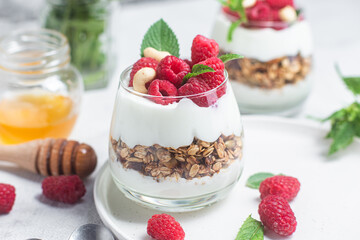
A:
(40, 91)
(276, 41)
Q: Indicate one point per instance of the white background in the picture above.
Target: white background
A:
(336, 30)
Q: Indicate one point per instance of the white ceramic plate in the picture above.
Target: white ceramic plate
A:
(327, 206)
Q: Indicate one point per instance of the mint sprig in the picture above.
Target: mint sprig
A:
(345, 123)
(251, 229)
(345, 126)
(236, 6)
(255, 179)
(197, 70)
(162, 38)
(228, 57)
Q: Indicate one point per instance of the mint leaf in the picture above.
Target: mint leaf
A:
(353, 83)
(298, 12)
(357, 120)
(336, 115)
(228, 57)
(162, 38)
(255, 180)
(197, 70)
(251, 229)
(343, 135)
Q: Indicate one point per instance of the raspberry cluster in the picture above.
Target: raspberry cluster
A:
(171, 70)
(274, 209)
(267, 10)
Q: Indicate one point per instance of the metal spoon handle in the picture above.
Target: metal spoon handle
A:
(91, 232)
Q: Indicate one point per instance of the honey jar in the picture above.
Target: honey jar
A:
(40, 91)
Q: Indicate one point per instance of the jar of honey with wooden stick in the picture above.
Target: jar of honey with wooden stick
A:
(40, 91)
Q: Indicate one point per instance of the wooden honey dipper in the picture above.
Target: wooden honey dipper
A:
(52, 157)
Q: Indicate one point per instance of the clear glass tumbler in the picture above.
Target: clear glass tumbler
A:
(175, 157)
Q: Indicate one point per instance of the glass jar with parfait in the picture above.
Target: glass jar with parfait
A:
(40, 91)
(176, 138)
(276, 41)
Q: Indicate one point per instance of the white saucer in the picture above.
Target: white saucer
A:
(327, 206)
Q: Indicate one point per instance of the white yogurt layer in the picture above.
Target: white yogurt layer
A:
(264, 44)
(258, 98)
(170, 187)
(137, 120)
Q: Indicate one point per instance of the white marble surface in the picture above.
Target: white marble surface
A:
(335, 26)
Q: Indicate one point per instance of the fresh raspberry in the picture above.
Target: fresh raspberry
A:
(276, 214)
(283, 186)
(172, 69)
(214, 79)
(261, 11)
(275, 15)
(203, 48)
(189, 62)
(7, 197)
(196, 86)
(277, 4)
(162, 88)
(66, 189)
(214, 62)
(142, 63)
(164, 227)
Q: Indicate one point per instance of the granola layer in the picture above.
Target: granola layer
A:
(272, 74)
(200, 159)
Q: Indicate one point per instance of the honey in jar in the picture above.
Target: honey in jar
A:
(38, 114)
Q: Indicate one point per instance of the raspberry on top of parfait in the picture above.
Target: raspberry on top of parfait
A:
(161, 73)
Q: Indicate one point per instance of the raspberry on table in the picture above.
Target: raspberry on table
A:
(162, 88)
(196, 86)
(172, 69)
(7, 197)
(142, 63)
(276, 214)
(283, 186)
(203, 48)
(66, 189)
(261, 11)
(277, 4)
(164, 227)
